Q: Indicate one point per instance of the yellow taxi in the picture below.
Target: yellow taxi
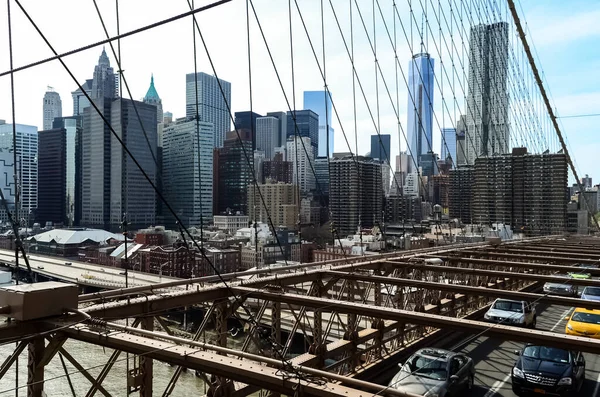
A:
(584, 322)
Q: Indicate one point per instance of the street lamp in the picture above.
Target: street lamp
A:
(160, 270)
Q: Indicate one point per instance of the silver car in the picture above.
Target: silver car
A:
(511, 312)
(435, 372)
(563, 289)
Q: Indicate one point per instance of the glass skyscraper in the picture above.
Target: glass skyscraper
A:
(307, 122)
(318, 102)
(188, 170)
(420, 105)
(448, 148)
(381, 146)
(27, 152)
(212, 106)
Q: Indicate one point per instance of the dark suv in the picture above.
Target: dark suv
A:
(547, 370)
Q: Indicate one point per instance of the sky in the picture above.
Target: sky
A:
(564, 35)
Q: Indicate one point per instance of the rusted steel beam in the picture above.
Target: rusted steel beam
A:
(526, 256)
(547, 251)
(523, 265)
(562, 248)
(460, 324)
(8, 362)
(464, 290)
(498, 273)
(248, 372)
(35, 371)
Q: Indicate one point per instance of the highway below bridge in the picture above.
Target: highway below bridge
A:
(359, 318)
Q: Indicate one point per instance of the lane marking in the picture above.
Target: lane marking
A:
(499, 384)
(565, 314)
(597, 387)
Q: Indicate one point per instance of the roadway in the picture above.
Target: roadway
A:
(494, 359)
(82, 272)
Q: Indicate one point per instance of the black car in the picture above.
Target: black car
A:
(547, 370)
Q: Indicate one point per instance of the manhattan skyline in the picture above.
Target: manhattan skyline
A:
(577, 96)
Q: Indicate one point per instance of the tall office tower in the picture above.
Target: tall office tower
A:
(245, 120)
(152, 98)
(258, 161)
(412, 185)
(213, 104)
(381, 150)
(300, 154)
(130, 192)
(52, 107)
(188, 171)
(52, 181)
(234, 172)
(95, 146)
(104, 83)
(320, 103)
(321, 167)
(278, 169)
(448, 146)
(280, 200)
(267, 135)
(59, 189)
(586, 182)
(420, 105)
(461, 142)
(306, 125)
(111, 183)
(282, 117)
(27, 166)
(348, 208)
(80, 101)
(487, 99)
(381, 147)
(7, 184)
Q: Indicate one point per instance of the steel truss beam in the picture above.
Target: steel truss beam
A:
(248, 372)
(428, 319)
(524, 255)
(548, 251)
(521, 265)
(467, 290)
(496, 273)
(11, 358)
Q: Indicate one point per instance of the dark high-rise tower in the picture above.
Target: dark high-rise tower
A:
(234, 173)
(307, 123)
(380, 147)
(111, 184)
(59, 165)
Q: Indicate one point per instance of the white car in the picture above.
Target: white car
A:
(511, 312)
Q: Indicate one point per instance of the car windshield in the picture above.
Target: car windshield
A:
(589, 318)
(595, 291)
(546, 354)
(428, 367)
(509, 306)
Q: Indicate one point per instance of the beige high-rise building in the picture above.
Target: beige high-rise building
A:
(280, 200)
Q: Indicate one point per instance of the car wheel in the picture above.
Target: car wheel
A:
(516, 391)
